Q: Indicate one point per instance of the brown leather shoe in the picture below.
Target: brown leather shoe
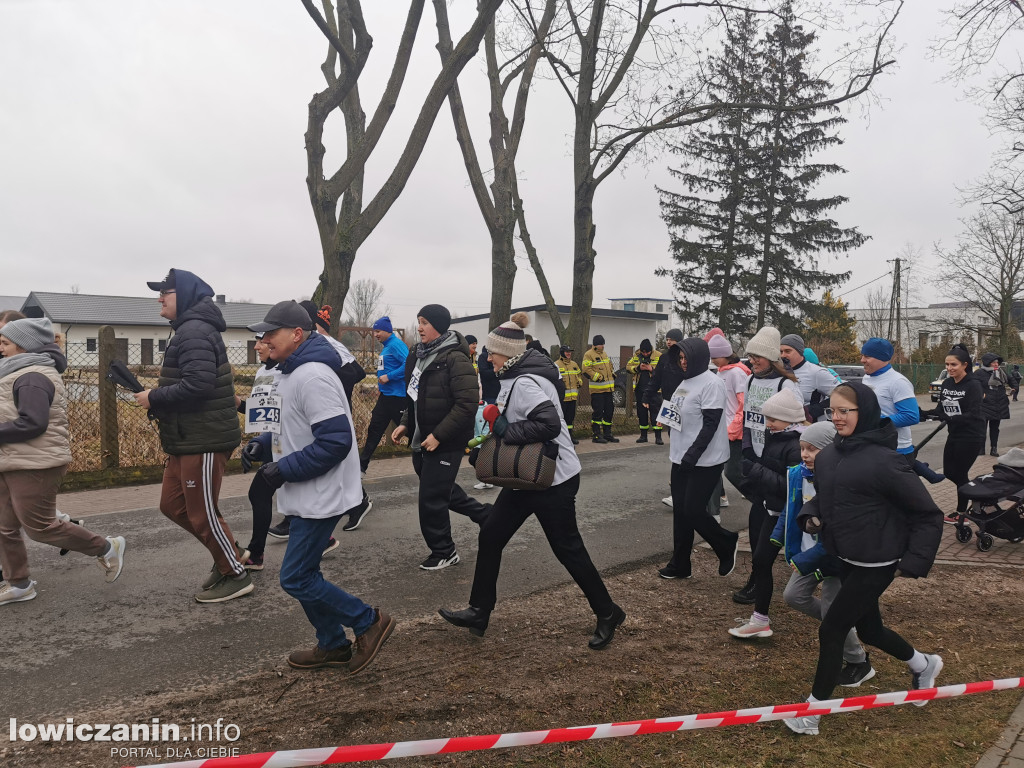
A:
(318, 657)
(368, 643)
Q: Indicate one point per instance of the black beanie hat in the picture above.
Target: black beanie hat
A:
(645, 346)
(470, 338)
(598, 340)
(437, 316)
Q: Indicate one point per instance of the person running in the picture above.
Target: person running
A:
(960, 399)
(641, 365)
(572, 379)
(666, 379)
(312, 463)
(873, 513)
(597, 369)
(996, 405)
(815, 382)
(734, 374)
(35, 451)
(194, 403)
(767, 378)
(764, 479)
(390, 385)
(441, 404)
(530, 412)
(698, 450)
(894, 391)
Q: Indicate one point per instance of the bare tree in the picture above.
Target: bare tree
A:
(875, 316)
(342, 219)
(629, 76)
(362, 305)
(985, 270)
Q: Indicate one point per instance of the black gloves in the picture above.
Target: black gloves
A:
(271, 474)
(500, 426)
(252, 452)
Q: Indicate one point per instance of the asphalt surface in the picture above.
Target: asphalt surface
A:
(83, 644)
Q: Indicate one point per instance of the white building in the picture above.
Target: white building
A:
(622, 330)
(922, 327)
(657, 306)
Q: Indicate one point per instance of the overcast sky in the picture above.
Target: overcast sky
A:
(137, 136)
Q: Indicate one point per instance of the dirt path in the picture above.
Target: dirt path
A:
(672, 657)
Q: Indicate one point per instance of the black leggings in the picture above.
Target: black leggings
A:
(765, 553)
(691, 489)
(261, 497)
(855, 605)
(555, 509)
(957, 458)
(993, 434)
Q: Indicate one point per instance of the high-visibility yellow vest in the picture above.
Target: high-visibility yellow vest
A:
(571, 377)
(597, 367)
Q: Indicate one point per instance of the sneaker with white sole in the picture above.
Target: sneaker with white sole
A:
(332, 545)
(226, 588)
(12, 594)
(807, 725)
(280, 531)
(667, 501)
(748, 630)
(855, 673)
(355, 517)
(926, 679)
(113, 562)
(482, 486)
(435, 563)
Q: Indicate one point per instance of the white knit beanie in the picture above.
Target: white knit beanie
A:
(765, 343)
(784, 405)
(508, 338)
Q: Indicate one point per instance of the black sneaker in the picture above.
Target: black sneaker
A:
(435, 563)
(279, 531)
(355, 517)
(855, 674)
(668, 572)
(744, 596)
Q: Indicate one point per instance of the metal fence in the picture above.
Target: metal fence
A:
(108, 430)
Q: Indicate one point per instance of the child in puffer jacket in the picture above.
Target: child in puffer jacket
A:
(811, 564)
(765, 477)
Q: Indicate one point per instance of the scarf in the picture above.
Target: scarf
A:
(431, 347)
(9, 365)
(996, 377)
(511, 363)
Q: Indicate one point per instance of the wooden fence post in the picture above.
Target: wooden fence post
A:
(110, 448)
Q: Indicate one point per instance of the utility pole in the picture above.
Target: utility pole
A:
(895, 304)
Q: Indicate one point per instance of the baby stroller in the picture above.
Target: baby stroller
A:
(997, 503)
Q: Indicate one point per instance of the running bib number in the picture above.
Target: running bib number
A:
(263, 414)
(951, 408)
(753, 420)
(670, 414)
(380, 362)
(414, 385)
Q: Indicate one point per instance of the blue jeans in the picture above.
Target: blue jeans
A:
(328, 608)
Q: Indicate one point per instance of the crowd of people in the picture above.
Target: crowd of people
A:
(829, 468)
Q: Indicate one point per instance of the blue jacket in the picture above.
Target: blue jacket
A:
(332, 438)
(787, 533)
(393, 356)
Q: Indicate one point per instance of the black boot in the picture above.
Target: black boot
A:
(643, 437)
(473, 619)
(608, 437)
(572, 436)
(657, 437)
(606, 626)
(597, 435)
(745, 596)
(994, 451)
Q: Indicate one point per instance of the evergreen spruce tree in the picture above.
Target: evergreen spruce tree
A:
(793, 226)
(710, 243)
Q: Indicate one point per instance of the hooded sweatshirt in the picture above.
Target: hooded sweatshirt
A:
(700, 434)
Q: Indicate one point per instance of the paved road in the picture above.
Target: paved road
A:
(82, 643)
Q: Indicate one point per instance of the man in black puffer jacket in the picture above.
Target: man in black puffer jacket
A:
(442, 399)
(195, 404)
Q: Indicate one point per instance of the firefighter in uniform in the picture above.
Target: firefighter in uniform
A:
(597, 368)
(571, 377)
(641, 365)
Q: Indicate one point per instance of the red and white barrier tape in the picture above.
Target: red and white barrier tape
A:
(361, 752)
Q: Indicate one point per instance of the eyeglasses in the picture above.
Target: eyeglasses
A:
(167, 292)
(844, 412)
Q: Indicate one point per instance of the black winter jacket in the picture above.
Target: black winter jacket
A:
(996, 405)
(545, 421)
(872, 506)
(765, 476)
(489, 385)
(666, 378)
(448, 397)
(195, 398)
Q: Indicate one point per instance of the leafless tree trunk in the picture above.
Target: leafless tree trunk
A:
(342, 219)
(363, 303)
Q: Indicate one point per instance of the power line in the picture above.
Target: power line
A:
(869, 282)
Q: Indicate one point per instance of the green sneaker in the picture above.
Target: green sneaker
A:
(240, 554)
(226, 588)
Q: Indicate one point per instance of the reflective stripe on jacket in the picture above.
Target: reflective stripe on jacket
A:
(597, 367)
(571, 377)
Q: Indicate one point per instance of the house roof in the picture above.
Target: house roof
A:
(641, 298)
(11, 302)
(564, 310)
(89, 309)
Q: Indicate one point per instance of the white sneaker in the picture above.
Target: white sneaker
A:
(61, 517)
(807, 725)
(667, 501)
(749, 630)
(926, 679)
(13, 594)
(482, 486)
(114, 562)
(723, 501)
